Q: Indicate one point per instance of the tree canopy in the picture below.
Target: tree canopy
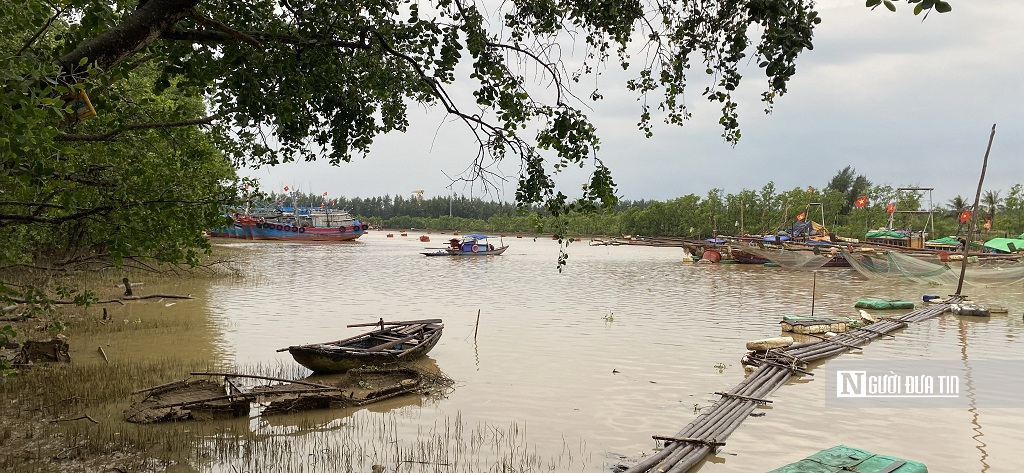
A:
(184, 89)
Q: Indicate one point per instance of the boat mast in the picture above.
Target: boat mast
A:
(295, 208)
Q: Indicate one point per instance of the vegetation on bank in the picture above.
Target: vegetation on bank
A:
(764, 211)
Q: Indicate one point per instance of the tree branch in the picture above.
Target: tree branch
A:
(136, 32)
(211, 23)
(136, 126)
(217, 37)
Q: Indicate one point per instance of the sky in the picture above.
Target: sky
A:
(905, 102)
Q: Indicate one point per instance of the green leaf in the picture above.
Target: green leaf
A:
(918, 9)
(81, 62)
(943, 7)
(889, 5)
(872, 3)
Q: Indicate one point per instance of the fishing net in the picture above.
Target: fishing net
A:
(896, 265)
(795, 259)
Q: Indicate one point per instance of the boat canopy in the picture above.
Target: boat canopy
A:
(1003, 245)
(886, 234)
(475, 236)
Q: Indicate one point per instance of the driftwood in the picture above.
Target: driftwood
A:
(68, 419)
(104, 301)
(153, 296)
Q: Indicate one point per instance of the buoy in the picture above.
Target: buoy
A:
(424, 238)
(391, 235)
(519, 236)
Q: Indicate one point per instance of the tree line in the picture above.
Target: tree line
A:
(764, 211)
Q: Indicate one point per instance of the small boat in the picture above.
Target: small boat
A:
(391, 342)
(473, 244)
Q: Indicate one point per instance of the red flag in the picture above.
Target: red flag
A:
(965, 216)
(247, 187)
(861, 201)
(286, 188)
(325, 194)
(891, 207)
(801, 216)
(988, 224)
(810, 190)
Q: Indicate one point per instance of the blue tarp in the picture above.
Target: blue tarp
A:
(476, 236)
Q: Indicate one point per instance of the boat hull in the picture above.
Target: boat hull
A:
(286, 233)
(340, 360)
(453, 252)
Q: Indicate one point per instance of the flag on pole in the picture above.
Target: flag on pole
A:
(325, 194)
(988, 224)
(965, 216)
(861, 201)
(286, 188)
(891, 207)
(801, 216)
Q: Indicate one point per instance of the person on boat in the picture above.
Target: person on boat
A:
(454, 242)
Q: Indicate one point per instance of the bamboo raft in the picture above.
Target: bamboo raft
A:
(704, 434)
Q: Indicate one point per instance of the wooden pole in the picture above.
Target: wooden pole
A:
(974, 212)
(814, 284)
(477, 327)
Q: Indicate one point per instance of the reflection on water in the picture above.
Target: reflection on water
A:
(621, 345)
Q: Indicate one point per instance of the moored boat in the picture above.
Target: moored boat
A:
(473, 244)
(391, 342)
(289, 225)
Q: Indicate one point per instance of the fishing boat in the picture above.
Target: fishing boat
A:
(390, 342)
(473, 244)
(307, 225)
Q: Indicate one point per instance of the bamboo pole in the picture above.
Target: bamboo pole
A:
(974, 212)
(728, 413)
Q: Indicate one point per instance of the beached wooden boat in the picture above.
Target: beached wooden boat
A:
(391, 342)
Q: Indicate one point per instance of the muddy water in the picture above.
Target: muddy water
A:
(578, 367)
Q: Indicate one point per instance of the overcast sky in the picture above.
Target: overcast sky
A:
(905, 102)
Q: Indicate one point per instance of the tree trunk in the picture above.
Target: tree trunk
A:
(139, 29)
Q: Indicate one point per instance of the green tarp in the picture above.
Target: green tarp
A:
(1003, 244)
(880, 304)
(950, 241)
(842, 458)
(884, 233)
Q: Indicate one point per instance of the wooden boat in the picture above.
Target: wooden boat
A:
(293, 224)
(389, 343)
(473, 244)
(329, 225)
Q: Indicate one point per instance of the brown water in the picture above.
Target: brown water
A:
(570, 370)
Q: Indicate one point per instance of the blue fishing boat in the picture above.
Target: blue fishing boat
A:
(473, 244)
